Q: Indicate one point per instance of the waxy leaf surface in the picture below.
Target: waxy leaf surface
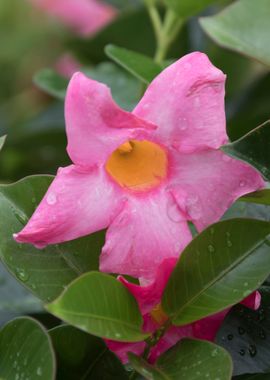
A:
(26, 351)
(100, 305)
(219, 268)
(189, 359)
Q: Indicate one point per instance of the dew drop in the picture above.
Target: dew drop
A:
(230, 336)
(242, 352)
(214, 353)
(51, 199)
(242, 183)
(22, 275)
(241, 330)
(39, 371)
(183, 124)
(229, 244)
(252, 350)
(15, 364)
(211, 248)
(33, 200)
(173, 211)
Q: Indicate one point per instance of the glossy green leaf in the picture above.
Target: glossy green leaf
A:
(101, 305)
(247, 210)
(259, 197)
(51, 83)
(141, 66)
(244, 27)
(26, 351)
(253, 148)
(2, 141)
(91, 360)
(188, 8)
(45, 272)
(189, 359)
(245, 335)
(220, 267)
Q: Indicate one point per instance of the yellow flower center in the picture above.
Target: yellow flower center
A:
(138, 165)
(158, 315)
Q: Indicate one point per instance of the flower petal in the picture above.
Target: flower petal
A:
(150, 295)
(143, 235)
(186, 102)
(206, 183)
(77, 203)
(84, 16)
(95, 125)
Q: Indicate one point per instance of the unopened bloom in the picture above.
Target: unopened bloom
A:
(149, 301)
(145, 174)
(83, 16)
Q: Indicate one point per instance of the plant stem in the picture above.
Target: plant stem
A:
(165, 32)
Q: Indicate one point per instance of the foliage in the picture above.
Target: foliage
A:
(220, 267)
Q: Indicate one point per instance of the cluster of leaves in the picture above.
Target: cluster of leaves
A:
(65, 277)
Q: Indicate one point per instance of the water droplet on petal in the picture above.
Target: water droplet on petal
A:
(183, 124)
(242, 352)
(230, 336)
(173, 211)
(51, 199)
(242, 183)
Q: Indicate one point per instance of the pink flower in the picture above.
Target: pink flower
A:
(83, 16)
(149, 298)
(144, 174)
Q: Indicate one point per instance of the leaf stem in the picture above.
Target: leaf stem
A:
(165, 32)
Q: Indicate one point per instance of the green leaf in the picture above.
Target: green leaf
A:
(2, 141)
(51, 83)
(219, 268)
(99, 304)
(245, 335)
(141, 66)
(189, 359)
(45, 272)
(91, 360)
(247, 210)
(253, 148)
(259, 197)
(25, 348)
(188, 8)
(244, 27)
